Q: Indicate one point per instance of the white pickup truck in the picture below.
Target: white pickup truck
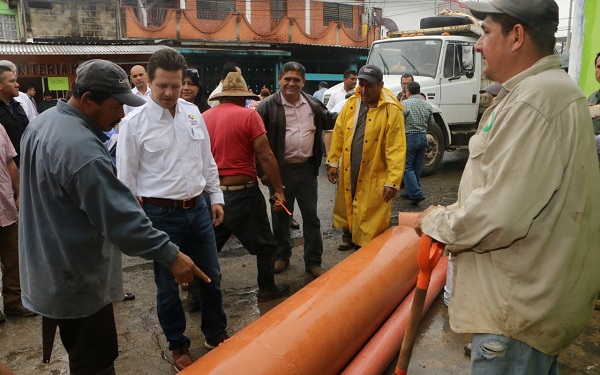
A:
(444, 62)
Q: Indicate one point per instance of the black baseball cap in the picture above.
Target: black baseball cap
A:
(103, 76)
(370, 73)
(542, 15)
(493, 89)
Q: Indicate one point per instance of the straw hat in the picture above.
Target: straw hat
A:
(234, 85)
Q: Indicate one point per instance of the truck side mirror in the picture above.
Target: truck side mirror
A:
(468, 60)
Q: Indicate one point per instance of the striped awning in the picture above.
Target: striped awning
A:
(78, 49)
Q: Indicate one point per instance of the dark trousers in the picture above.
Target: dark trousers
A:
(90, 342)
(9, 260)
(190, 229)
(300, 185)
(245, 216)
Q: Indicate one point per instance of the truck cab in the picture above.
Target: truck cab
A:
(443, 61)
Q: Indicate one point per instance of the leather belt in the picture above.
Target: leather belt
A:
(172, 203)
(302, 164)
(243, 186)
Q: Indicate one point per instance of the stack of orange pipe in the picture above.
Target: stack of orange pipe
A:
(320, 328)
(383, 347)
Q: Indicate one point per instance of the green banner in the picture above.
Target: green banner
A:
(590, 47)
(58, 83)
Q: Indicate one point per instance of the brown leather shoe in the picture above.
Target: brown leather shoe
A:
(19, 310)
(280, 265)
(316, 271)
(182, 357)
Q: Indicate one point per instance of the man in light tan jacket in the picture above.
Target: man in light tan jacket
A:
(524, 231)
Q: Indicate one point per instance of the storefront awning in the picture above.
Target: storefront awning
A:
(231, 52)
(78, 49)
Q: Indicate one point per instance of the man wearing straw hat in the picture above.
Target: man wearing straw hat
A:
(238, 138)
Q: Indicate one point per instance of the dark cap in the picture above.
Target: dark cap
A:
(323, 84)
(493, 89)
(106, 77)
(370, 73)
(542, 15)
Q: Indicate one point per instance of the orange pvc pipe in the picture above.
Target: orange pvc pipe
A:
(383, 347)
(321, 327)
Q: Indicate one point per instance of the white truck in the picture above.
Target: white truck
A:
(443, 61)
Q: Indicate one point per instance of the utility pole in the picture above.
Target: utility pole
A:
(569, 27)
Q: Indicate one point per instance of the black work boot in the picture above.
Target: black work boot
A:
(267, 289)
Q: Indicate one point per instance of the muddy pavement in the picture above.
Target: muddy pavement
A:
(143, 349)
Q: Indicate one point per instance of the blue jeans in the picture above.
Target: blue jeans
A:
(190, 229)
(499, 355)
(416, 144)
(300, 185)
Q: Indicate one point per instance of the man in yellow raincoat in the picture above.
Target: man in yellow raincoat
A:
(368, 152)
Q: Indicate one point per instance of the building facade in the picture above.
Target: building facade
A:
(260, 35)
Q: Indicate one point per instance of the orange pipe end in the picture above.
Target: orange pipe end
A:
(383, 347)
(320, 328)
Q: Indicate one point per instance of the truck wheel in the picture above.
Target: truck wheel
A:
(435, 150)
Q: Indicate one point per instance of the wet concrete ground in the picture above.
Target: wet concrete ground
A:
(143, 349)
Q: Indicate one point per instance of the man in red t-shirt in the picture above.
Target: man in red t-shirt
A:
(238, 138)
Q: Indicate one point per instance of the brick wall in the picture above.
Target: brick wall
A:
(185, 25)
(75, 18)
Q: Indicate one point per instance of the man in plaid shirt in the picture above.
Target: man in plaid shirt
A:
(418, 114)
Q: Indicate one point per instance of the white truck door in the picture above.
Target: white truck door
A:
(459, 83)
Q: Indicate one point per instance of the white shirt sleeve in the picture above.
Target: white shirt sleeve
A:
(127, 156)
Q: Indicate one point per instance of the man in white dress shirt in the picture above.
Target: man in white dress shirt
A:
(337, 97)
(349, 85)
(139, 78)
(164, 157)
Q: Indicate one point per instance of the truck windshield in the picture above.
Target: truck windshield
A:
(416, 57)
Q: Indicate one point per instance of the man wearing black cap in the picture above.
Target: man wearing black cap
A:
(75, 216)
(524, 231)
(366, 159)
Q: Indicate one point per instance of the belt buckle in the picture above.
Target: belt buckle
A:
(187, 203)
